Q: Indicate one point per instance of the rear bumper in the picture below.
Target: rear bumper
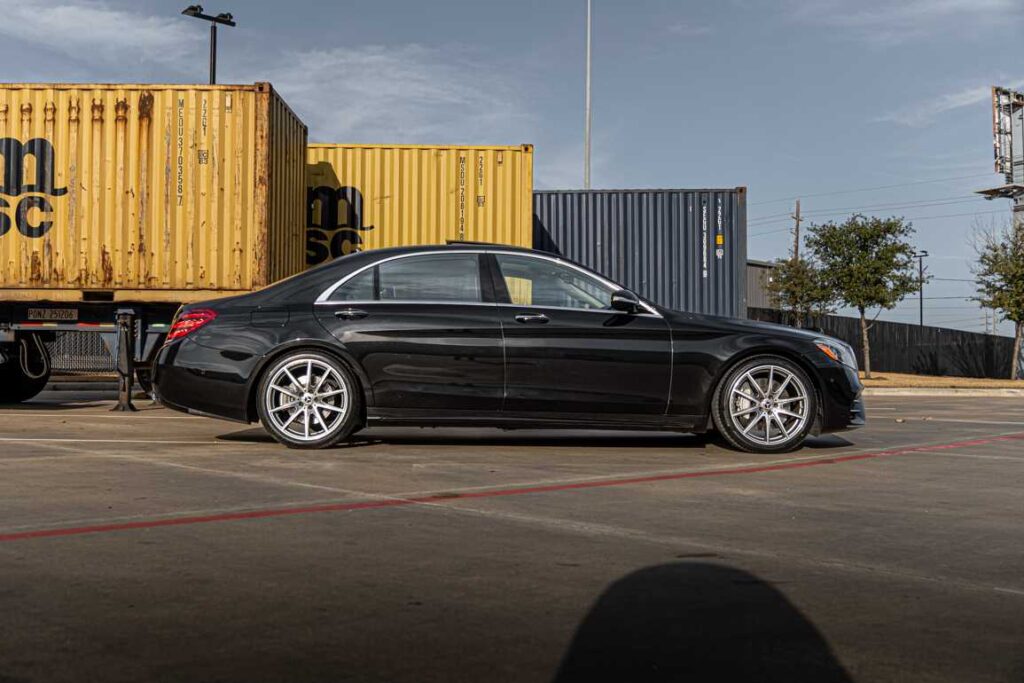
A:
(194, 379)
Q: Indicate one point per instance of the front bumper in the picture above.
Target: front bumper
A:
(858, 415)
(842, 406)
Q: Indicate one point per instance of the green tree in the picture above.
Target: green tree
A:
(999, 275)
(798, 286)
(868, 263)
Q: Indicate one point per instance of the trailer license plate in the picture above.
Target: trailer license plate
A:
(53, 314)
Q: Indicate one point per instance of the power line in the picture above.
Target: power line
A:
(973, 319)
(872, 189)
(932, 298)
(843, 213)
(769, 232)
(937, 201)
(909, 218)
(965, 307)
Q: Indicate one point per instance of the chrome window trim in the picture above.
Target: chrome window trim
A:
(407, 302)
(325, 296)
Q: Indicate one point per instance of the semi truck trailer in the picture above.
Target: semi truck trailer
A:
(119, 203)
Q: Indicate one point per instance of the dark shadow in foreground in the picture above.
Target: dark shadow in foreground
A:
(691, 622)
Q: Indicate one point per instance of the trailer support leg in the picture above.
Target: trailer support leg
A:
(125, 360)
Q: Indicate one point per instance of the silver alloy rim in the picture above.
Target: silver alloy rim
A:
(768, 405)
(306, 399)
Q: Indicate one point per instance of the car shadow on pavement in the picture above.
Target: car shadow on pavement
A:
(697, 621)
(43, 406)
(478, 437)
(548, 438)
(826, 441)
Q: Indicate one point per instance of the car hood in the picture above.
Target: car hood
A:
(739, 325)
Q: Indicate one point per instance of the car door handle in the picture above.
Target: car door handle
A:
(350, 314)
(532, 318)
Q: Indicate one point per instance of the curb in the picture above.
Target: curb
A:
(940, 391)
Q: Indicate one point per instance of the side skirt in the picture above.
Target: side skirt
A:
(672, 423)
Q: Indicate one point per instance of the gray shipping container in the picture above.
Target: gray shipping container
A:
(759, 274)
(683, 249)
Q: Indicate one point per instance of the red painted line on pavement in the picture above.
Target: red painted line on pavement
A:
(491, 493)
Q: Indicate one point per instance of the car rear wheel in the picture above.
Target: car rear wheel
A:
(309, 400)
(765, 405)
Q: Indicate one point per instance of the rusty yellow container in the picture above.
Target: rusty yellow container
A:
(159, 193)
(371, 196)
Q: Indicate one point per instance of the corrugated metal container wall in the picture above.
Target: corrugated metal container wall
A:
(371, 196)
(683, 249)
(287, 191)
(149, 192)
(759, 274)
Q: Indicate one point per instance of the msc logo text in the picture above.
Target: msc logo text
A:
(29, 207)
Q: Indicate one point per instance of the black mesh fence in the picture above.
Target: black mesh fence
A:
(900, 347)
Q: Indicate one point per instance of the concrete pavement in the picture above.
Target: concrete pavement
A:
(159, 546)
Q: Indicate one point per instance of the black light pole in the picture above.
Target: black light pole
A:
(920, 256)
(222, 18)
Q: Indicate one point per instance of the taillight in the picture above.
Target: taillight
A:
(190, 322)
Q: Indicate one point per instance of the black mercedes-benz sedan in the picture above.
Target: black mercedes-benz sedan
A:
(487, 335)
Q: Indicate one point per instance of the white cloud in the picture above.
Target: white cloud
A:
(407, 93)
(924, 112)
(897, 21)
(687, 30)
(558, 165)
(96, 32)
(395, 93)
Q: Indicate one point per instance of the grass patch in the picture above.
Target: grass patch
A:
(899, 380)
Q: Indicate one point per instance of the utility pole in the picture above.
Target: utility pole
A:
(796, 231)
(222, 18)
(586, 125)
(920, 256)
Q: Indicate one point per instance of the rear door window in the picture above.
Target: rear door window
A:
(427, 278)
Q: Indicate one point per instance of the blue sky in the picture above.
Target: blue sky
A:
(812, 98)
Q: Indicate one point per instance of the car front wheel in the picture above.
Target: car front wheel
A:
(309, 400)
(765, 405)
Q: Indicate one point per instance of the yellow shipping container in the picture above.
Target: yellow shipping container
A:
(371, 196)
(154, 193)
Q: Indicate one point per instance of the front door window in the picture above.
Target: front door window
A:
(541, 282)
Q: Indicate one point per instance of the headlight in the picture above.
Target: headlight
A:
(837, 351)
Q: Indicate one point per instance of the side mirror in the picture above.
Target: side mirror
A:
(625, 301)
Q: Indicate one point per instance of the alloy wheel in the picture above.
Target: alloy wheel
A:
(768, 405)
(306, 399)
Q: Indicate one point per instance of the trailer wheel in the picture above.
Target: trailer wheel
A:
(15, 384)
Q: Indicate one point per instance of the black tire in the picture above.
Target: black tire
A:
(757, 426)
(343, 416)
(144, 376)
(15, 385)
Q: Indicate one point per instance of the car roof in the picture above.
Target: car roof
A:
(454, 246)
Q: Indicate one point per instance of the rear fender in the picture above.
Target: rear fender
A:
(305, 345)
